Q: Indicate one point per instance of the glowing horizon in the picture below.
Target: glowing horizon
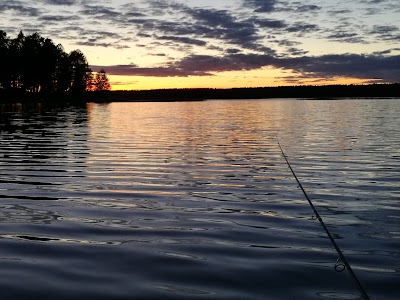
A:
(218, 82)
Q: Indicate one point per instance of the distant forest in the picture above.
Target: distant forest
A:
(35, 65)
(311, 92)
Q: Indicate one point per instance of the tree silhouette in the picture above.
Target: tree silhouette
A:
(101, 82)
(4, 60)
(63, 72)
(15, 61)
(33, 64)
(80, 74)
(90, 82)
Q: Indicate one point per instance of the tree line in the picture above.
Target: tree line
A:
(34, 64)
(391, 90)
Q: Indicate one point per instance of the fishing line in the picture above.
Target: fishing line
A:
(341, 263)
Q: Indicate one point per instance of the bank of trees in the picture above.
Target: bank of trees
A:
(35, 64)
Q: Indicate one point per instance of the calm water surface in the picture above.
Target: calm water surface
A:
(193, 200)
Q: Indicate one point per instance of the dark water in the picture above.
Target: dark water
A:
(193, 200)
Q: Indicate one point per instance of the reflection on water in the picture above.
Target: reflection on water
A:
(193, 200)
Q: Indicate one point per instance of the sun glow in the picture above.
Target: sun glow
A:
(225, 80)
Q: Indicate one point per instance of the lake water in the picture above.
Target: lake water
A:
(194, 200)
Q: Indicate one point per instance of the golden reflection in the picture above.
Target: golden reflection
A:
(164, 145)
(159, 143)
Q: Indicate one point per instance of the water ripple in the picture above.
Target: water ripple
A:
(193, 200)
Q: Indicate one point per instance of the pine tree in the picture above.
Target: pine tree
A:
(34, 64)
(101, 82)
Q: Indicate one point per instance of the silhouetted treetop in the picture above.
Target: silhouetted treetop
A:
(35, 64)
(101, 82)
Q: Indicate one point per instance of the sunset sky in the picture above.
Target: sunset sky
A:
(221, 43)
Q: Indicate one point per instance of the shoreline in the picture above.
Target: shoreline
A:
(328, 92)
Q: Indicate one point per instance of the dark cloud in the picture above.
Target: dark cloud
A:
(132, 70)
(296, 51)
(163, 8)
(300, 79)
(88, 37)
(339, 12)
(222, 25)
(386, 32)
(199, 26)
(374, 7)
(58, 18)
(348, 37)
(98, 34)
(99, 11)
(62, 2)
(19, 8)
(302, 27)
(134, 14)
(348, 65)
(194, 65)
(232, 51)
(184, 40)
(235, 62)
(307, 8)
(287, 43)
(297, 8)
(102, 44)
(195, 25)
(268, 23)
(384, 52)
(261, 5)
(373, 1)
(125, 83)
(144, 35)
(326, 66)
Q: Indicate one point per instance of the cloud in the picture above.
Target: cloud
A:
(269, 23)
(339, 12)
(232, 51)
(134, 14)
(222, 25)
(200, 26)
(386, 32)
(123, 83)
(20, 8)
(348, 37)
(102, 44)
(261, 5)
(132, 70)
(184, 40)
(58, 18)
(296, 51)
(348, 65)
(308, 8)
(374, 7)
(388, 51)
(326, 66)
(61, 2)
(287, 43)
(373, 2)
(302, 27)
(99, 11)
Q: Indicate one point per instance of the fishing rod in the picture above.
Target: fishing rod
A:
(341, 263)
